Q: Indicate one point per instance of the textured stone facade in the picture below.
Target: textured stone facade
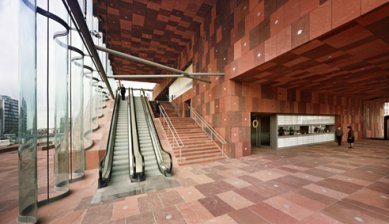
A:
(240, 35)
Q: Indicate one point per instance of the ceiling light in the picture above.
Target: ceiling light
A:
(259, 55)
(276, 22)
(300, 31)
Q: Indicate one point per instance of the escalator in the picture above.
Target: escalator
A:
(120, 165)
(157, 161)
(146, 145)
(133, 151)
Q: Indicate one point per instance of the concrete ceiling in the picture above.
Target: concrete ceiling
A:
(352, 60)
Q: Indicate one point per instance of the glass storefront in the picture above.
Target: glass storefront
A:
(295, 130)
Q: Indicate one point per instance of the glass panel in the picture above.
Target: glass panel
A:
(77, 109)
(87, 105)
(27, 116)
(61, 124)
(95, 102)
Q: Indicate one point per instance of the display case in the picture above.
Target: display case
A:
(293, 130)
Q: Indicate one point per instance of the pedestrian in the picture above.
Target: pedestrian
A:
(123, 92)
(339, 135)
(350, 137)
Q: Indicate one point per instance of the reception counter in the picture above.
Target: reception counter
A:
(294, 130)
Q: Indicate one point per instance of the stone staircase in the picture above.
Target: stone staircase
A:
(198, 146)
(171, 112)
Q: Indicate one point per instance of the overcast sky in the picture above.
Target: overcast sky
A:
(9, 49)
(9, 84)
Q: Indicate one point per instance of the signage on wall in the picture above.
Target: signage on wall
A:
(255, 123)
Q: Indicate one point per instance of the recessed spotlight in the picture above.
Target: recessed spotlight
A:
(233, 69)
(299, 32)
(276, 22)
(259, 55)
(244, 44)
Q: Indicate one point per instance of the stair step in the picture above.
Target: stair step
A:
(201, 160)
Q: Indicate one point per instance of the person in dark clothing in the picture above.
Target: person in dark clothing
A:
(123, 92)
(350, 137)
(157, 107)
(339, 135)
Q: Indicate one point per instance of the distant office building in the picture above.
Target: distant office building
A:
(9, 118)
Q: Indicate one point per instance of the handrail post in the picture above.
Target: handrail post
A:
(206, 127)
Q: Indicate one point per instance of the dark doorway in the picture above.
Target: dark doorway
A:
(164, 95)
(187, 108)
(260, 130)
(386, 127)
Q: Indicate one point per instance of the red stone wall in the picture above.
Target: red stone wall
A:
(373, 122)
(228, 108)
(240, 35)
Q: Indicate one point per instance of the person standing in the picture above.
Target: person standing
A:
(339, 135)
(123, 92)
(350, 137)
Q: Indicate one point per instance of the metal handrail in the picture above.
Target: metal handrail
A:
(176, 138)
(200, 121)
(166, 169)
(106, 162)
(138, 173)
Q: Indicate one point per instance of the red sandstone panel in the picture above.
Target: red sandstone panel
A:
(344, 11)
(277, 21)
(320, 20)
(306, 6)
(270, 48)
(292, 11)
(284, 40)
(300, 31)
(368, 5)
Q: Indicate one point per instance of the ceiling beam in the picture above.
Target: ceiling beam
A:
(150, 63)
(144, 76)
(79, 20)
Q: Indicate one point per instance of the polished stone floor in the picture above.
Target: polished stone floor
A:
(309, 184)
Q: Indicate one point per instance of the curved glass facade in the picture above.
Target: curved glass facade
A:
(77, 106)
(60, 103)
(61, 122)
(28, 110)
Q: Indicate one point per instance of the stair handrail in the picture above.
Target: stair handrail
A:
(176, 137)
(137, 170)
(105, 164)
(204, 125)
(158, 149)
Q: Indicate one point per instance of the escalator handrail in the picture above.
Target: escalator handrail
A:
(105, 165)
(155, 138)
(139, 174)
(131, 158)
